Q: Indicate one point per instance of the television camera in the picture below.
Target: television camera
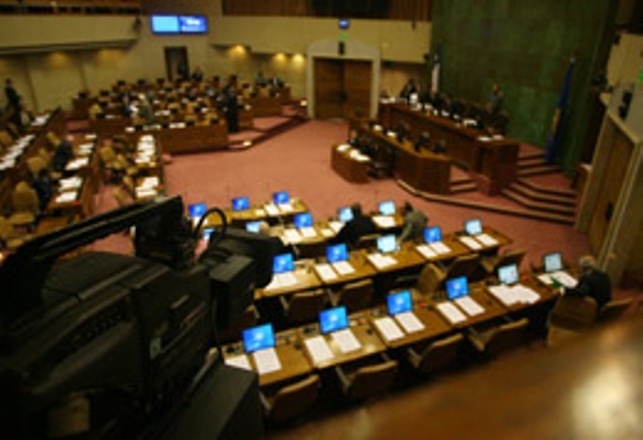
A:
(102, 345)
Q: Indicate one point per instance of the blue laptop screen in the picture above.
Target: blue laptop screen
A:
(333, 319)
(283, 263)
(553, 262)
(304, 220)
(345, 214)
(457, 287)
(432, 234)
(508, 274)
(281, 198)
(240, 204)
(258, 338)
(253, 226)
(196, 210)
(473, 226)
(386, 244)
(399, 302)
(206, 233)
(336, 253)
(387, 207)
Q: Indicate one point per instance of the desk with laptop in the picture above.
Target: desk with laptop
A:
(554, 274)
(341, 266)
(288, 279)
(390, 257)
(479, 239)
(439, 248)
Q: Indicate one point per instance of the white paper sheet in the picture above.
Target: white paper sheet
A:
(292, 236)
(68, 196)
(451, 313)
(308, 232)
(343, 268)
(346, 340)
(426, 251)
(240, 361)
(440, 248)
(325, 272)
(384, 221)
(486, 239)
(381, 261)
(470, 242)
(388, 328)
(469, 305)
(318, 349)
(336, 226)
(271, 210)
(286, 207)
(266, 360)
(561, 277)
(409, 321)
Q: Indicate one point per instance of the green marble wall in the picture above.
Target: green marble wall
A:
(525, 46)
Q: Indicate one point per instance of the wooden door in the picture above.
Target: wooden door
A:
(175, 57)
(342, 88)
(357, 88)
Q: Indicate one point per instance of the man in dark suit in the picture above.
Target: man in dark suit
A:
(592, 282)
(359, 226)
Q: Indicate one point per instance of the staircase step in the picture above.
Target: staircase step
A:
(534, 194)
(540, 206)
(561, 192)
(530, 155)
(544, 169)
(531, 162)
(463, 187)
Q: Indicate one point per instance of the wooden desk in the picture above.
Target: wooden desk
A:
(259, 212)
(501, 240)
(434, 326)
(492, 307)
(363, 269)
(306, 280)
(291, 355)
(360, 326)
(349, 163)
(456, 247)
(423, 171)
(545, 294)
(405, 258)
(265, 105)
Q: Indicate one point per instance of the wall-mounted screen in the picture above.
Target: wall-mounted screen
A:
(179, 24)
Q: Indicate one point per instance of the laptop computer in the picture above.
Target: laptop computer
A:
(345, 214)
(259, 342)
(387, 207)
(458, 292)
(387, 244)
(508, 274)
(337, 256)
(432, 234)
(304, 223)
(240, 204)
(400, 307)
(553, 262)
(475, 238)
(555, 274)
(281, 197)
(254, 226)
(473, 226)
(283, 266)
(196, 211)
(332, 320)
(510, 291)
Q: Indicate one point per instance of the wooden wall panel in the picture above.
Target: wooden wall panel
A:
(328, 88)
(357, 87)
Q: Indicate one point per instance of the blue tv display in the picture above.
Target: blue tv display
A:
(179, 24)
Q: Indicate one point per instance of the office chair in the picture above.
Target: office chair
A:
(292, 400)
(355, 296)
(25, 205)
(5, 139)
(570, 317)
(433, 275)
(10, 238)
(368, 241)
(437, 356)
(303, 306)
(249, 318)
(491, 263)
(614, 309)
(367, 381)
(35, 165)
(499, 339)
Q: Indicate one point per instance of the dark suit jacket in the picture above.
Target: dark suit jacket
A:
(354, 229)
(594, 284)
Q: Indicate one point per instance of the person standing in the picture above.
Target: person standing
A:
(414, 223)
(13, 103)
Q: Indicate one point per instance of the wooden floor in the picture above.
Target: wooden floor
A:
(589, 388)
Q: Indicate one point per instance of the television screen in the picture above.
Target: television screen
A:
(387, 207)
(193, 24)
(253, 226)
(386, 244)
(196, 210)
(165, 24)
(553, 262)
(432, 234)
(508, 274)
(304, 220)
(283, 263)
(457, 287)
(399, 302)
(473, 226)
(345, 214)
(258, 338)
(336, 253)
(240, 204)
(281, 197)
(333, 319)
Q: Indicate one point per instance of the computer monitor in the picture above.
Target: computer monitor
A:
(399, 302)
(196, 210)
(387, 244)
(553, 262)
(240, 204)
(473, 226)
(332, 320)
(432, 234)
(258, 338)
(387, 207)
(281, 197)
(508, 274)
(254, 226)
(304, 220)
(336, 253)
(345, 214)
(283, 263)
(457, 287)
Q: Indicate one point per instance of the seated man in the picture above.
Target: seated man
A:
(414, 223)
(63, 153)
(354, 229)
(592, 282)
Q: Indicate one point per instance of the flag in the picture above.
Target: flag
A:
(435, 71)
(555, 132)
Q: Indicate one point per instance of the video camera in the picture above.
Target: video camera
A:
(103, 345)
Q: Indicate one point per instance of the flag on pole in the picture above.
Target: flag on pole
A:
(435, 71)
(555, 133)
